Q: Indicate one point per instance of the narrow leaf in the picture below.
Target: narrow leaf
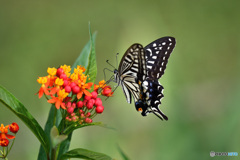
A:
(124, 156)
(92, 63)
(19, 110)
(85, 154)
(71, 129)
(87, 58)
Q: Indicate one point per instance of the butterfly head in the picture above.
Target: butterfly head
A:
(116, 76)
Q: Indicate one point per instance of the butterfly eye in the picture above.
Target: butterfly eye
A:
(140, 110)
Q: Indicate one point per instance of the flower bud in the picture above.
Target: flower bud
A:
(99, 109)
(65, 83)
(85, 102)
(69, 104)
(68, 89)
(94, 94)
(89, 105)
(72, 84)
(59, 72)
(74, 105)
(87, 97)
(76, 89)
(88, 114)
(92, 101)
(107, 91)
(63, 76)
(81, 111)
(74, 118)
(14, 127)
(80, 104)
(98, 102)
(70, 110)
(82, 115)
(88, 120)
(67, 118)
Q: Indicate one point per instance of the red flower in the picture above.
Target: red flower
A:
(4, 142)
(107, 91)
(14, 127)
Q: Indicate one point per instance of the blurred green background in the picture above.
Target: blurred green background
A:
(201, 81)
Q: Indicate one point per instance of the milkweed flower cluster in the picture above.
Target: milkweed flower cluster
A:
(4, 136)
(73, 93)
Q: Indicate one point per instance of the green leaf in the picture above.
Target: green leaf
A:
(124, 156)
(87, 58)
(19, 110)
(74, 127)
(85, 154)
(92, 63)
(56, 138)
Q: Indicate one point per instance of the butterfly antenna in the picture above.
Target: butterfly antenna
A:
(110, 64)
(117, 58)
(105, 73)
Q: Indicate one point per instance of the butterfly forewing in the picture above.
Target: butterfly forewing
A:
(131, 68)
(157, 54)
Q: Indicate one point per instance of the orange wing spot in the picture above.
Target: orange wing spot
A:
(139, 82)
(140, 109)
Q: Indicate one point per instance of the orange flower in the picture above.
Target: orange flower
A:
(101, 84)
(43, 89)
(66, 69)
(4, 131)
(58, 83)
(52, 71)
(59, 100)
(83, 89)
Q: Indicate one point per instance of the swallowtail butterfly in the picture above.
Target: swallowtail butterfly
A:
(139, 71)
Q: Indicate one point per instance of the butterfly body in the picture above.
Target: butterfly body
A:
(139, 71)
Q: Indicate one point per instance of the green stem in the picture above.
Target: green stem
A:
(10, 147)
(55, 116)
(46, 96)
(94, 114)
(68, 128)
(1, 152)
(53, 156)
(57, 150)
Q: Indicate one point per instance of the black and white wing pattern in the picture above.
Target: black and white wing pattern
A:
(131, 68)
(156, 54)
(139, 71)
